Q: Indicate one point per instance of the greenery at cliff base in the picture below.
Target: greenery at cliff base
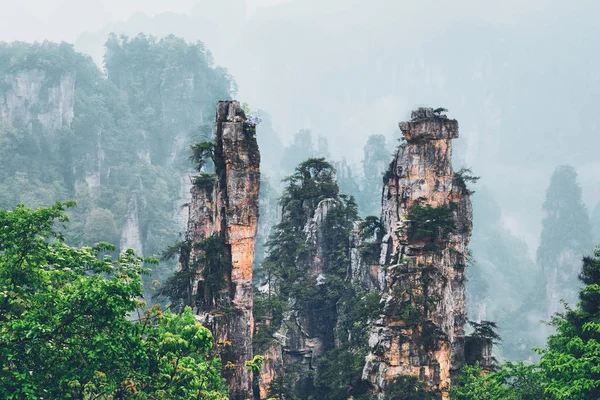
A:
(72, 324)
(569, 368)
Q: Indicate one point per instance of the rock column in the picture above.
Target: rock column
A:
(421, 276)
(227, 211)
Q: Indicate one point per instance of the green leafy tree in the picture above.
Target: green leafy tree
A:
(337, 311)
(513, 381)
(408, 387)
(430, 224)
(571, 358)
(101, 225)
(66, 329)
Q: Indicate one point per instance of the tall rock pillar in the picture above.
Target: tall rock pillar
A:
(427, 219)
(226, 212)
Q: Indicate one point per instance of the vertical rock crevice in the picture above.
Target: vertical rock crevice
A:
(226, 214)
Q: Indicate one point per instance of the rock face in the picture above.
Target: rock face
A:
(302, 338)
(34, 96)
(228, 211)
(421, 265)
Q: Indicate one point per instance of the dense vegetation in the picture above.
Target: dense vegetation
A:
(66, 328)
(334, 303)
(127, 141)
(569, 364)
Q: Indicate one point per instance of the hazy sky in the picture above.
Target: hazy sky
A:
(520, 76)
(57, 20)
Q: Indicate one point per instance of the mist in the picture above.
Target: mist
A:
(348, 69)
(521, 78)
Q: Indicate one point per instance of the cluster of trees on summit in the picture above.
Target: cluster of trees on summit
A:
(72, 320)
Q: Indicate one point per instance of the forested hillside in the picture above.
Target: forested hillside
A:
(116, 144)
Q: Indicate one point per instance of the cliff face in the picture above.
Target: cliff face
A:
(32, 97)
(301, 339)
(427, 221)
(227, 211)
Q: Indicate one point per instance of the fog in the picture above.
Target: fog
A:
(522, 78)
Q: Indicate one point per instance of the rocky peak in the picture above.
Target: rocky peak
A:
(427, 220)
(226, 211)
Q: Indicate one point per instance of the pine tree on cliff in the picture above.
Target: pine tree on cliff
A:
(325, 304)
(566, 236)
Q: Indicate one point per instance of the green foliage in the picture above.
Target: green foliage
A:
(429, 224)
(120, 153)
(370, 227)
(213, 262)
(339, 375)
(406, 387)
(464, 176)
(207, 258)
(205, 181)
(179, 287)
(171, 85)
(313, 181)
(255, 365)
(53, 58)
(335, 300)
(514, 381)
(64, 327)
(472, 384)
(485, 330)
(571, 358)
(101, 225)
(569, 365)
(200, 152)
(370, 230)
(282, 388)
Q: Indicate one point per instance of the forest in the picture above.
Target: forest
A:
(160, 239)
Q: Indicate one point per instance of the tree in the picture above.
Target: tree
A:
(101, 225)
(335, 310)
(571, 359)
(65, 330)
(570, 362)
(566, 236)
(430, 224)
(200, 153)
(513, 381)
(408, 387)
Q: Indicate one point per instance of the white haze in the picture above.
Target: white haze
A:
(522, 78)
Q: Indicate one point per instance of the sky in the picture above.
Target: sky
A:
(64, 20)
(520, 76)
